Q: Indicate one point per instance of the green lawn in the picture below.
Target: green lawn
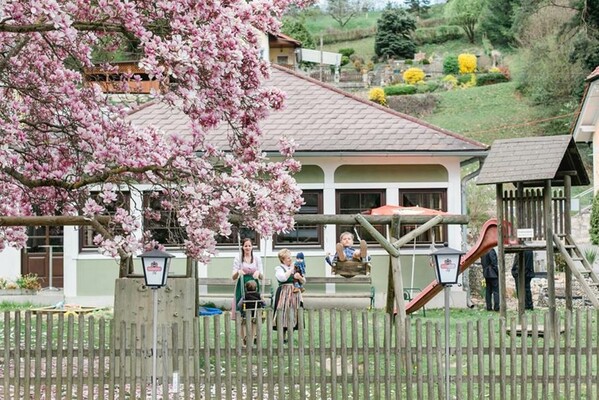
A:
(487, 113)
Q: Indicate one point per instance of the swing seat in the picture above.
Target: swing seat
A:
(349, 269)
(255, 308)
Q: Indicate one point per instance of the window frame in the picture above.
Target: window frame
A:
(441, 230)
(363, 234)
(84, 229)
(279, 244)
(146, 196)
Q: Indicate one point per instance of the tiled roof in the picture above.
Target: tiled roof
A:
(533, 160)
(322, 118)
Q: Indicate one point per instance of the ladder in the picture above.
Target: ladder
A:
(580, 267)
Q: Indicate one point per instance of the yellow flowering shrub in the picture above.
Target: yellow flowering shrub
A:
(467, 63)
(469, 83)
(449, 82)
(413, 75)
(377, 95)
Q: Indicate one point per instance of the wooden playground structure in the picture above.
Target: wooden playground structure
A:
(533, 214)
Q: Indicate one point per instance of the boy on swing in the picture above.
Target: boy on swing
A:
(346, 250)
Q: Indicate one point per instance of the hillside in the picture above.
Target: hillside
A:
(483, 113)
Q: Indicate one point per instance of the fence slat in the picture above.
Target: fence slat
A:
(334, 354)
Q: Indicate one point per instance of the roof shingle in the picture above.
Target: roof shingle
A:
(322, 118)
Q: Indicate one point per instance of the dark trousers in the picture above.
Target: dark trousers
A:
(528, 305)
(492, 294)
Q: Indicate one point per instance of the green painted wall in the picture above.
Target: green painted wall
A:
(391, 173)
(97, 277)
(310, 174)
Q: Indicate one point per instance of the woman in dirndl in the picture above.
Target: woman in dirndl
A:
(287, 301)
(246, 267)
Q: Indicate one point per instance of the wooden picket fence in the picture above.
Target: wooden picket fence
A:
(335, 354)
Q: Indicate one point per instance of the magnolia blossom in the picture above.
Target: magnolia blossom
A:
(62, 138)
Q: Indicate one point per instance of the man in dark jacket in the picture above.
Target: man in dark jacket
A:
(529, 273)
(491, 275)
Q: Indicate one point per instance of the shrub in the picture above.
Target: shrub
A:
(413, 75)
(426, 61)
(490, 79)
(399, 90)
(3, 283)
(409, 62)
(29, 281)
(467, 63)
(451, 65)
(449, 82)
(436, 35)
(347, 51)
(426, 87)
(344, 60)
(594, 229)
(467, 81)
(377, 95)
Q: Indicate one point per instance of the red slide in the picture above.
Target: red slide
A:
(486, 241)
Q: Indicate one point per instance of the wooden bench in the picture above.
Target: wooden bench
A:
(361, 287)
(222, 283)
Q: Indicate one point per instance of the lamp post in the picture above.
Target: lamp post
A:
(447, 268)
(155, 265)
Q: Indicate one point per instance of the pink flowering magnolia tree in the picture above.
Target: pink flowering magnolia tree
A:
(61, 138)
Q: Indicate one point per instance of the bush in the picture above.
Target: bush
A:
(347, 52)
(467, 81)
(409, 62)
(399, 90)
(594, 229)
(426, 87)
(29, 281)
(437, 35)
(344, 60)
(451, 65)
(490, 79)
(449, 82)
(413, 75)
(467, 63)
(377, 95)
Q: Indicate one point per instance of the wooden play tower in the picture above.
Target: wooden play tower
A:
(533, 178)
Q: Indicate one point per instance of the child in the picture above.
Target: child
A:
(251, 301)
(300, 267)
(346, 251)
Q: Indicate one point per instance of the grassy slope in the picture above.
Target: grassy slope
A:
(484, 113)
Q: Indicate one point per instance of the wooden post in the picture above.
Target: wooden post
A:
(550, 258)
(520, 282)
(568, 232)
(500, 250)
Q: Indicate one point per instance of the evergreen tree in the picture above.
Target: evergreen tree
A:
(298, 31)
(394, 34)
(496, 21)
(418, 7)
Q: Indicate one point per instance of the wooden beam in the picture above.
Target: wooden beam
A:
(418, 231)
(350, 219)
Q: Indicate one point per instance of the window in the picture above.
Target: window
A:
(435, 199)
(305, 235)
(165, 231)
(234, 241)
(87, 233)
(355, 202)
(283, 60)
